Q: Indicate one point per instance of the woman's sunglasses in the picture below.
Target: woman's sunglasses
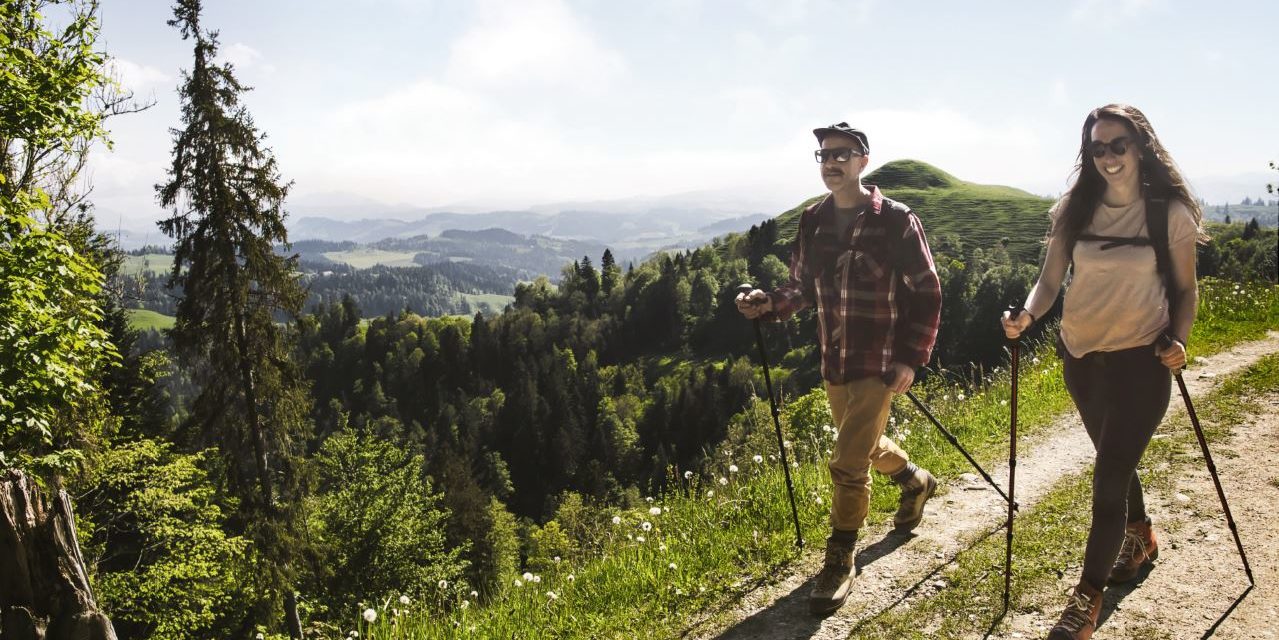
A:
(1118, 146)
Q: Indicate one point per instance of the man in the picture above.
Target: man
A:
(863, 261)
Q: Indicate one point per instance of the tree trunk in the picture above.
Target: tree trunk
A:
(44, 588)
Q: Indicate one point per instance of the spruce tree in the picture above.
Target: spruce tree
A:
(226, 199)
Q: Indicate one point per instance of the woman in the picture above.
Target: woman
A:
(1117, 312)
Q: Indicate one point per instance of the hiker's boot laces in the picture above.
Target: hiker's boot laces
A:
(1078, 613)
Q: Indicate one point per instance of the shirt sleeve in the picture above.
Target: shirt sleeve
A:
(916, 331)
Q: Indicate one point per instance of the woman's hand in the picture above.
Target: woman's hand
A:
(1014, 327)
(1173, 355)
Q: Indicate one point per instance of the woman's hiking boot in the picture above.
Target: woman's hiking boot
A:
(917, 487)
(836, 577)
(1139, 548)
(1079, 619)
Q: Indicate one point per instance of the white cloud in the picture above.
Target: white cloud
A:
(136, 77)
(1058, 92)
(794, 12)
(244, 58)
(1086, 9)
(535, 42)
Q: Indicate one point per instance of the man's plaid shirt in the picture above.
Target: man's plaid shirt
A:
(878, 297)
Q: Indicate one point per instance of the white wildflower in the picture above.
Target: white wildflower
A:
(655, 511)
(639, 538)
(444, 584)
(556, 559)
(710, 493)
(732, 468)
(688, 475)
(537, 579)
(671, 566)
(518, 584)
(758, 458)
(646, 525)
(370, 615)
(528, 576)
(723, 481)
(475, 594)
(648, 499)
(404, 599)
(551, 595)
(466, 603)
(617, 519)
(571, 577)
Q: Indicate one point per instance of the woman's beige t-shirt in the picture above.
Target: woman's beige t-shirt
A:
(1116, 299)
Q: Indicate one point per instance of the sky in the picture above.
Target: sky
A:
(515, 103)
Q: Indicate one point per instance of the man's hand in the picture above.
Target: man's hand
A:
(754, 304)
(1172, 356)
(902, 377)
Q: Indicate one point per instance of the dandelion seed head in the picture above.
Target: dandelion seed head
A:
(732, 468)
(617, 519)
(688, 475)
(571, 577)
(370, 615)
(551, 595)
(758, 458)
(710, 493)
(640, 538)
(671, 566)
(518, 584)
(649, 499)
(466, 603)
(646, 525)
(661, 547)
(655, 511)
(404, 599)
(556, 559)
(528, 576)
(475, 594)
(444, 584)
(723, 481)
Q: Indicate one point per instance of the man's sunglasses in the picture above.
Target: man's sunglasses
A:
(1118, 146)
(838, 154)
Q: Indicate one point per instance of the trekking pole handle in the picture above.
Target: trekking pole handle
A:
(1165, 341)
(1015, 310)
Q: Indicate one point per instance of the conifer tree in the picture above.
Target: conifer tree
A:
(609, 273)
(226, 199)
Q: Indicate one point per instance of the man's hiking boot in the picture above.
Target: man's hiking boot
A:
(1139, 548)
(835, 579)
(917, 488)
(1079, 619)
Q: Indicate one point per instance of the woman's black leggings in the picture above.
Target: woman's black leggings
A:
(1121, 397)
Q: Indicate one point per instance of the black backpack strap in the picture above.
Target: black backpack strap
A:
(1157, 228)
(897, 221)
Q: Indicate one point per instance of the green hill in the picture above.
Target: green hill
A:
(958, 216)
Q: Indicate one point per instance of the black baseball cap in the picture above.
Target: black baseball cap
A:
(842, 128)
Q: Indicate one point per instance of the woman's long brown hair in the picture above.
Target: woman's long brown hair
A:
(1158, 174)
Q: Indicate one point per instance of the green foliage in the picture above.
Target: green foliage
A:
(376, 524)
(152, 527)
(1240, 252)
(52, 346)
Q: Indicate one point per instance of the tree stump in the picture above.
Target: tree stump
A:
(44, 588)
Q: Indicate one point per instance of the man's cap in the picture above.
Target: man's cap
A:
(842, 128)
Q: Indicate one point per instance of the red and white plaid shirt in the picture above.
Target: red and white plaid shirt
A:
(878, 298)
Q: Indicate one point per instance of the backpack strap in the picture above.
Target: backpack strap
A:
(1157, 228)
(897, 221)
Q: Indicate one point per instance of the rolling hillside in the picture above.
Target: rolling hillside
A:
(958, 216)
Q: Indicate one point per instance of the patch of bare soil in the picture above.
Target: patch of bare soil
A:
(895, 570)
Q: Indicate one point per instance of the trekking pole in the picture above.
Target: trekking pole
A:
(1015, 347)
(1164, 343)
(777, 424)
(888, 380)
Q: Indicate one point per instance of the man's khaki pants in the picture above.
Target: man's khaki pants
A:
(860, 409)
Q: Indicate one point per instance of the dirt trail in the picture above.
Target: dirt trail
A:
(894, 569)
